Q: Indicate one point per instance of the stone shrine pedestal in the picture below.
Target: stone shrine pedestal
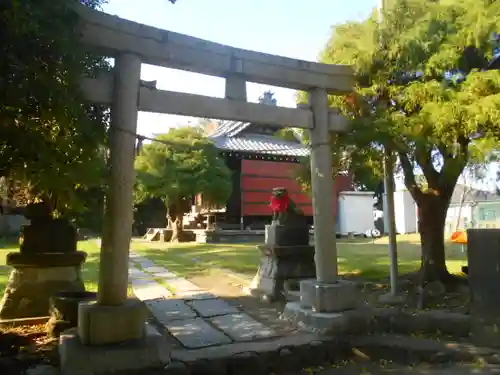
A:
(36, 278)
(285, 257)
(322, 306)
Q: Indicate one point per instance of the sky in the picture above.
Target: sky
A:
(291, 28)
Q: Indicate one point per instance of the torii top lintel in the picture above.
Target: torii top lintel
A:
(112, 35)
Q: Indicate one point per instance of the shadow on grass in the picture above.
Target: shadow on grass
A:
(370, 259)
(174, 262)
(240, 258)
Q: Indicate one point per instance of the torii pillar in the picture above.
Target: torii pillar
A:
(112, 335)
(327, 295)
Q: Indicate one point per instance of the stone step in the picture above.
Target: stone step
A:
(414, 350)
(385, 353)
(283, 355)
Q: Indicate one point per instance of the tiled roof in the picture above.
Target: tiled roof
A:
(261, 144)
(226, 137)
(229, 128)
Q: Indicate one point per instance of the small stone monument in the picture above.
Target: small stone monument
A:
(46, 264)
(286, 256)
(483, 254)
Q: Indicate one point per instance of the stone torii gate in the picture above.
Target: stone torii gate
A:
(114, 318)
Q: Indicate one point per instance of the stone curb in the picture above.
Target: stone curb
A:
(294, 353)
(411, 351)
(373, 320)
(430, 322)
(259, 358)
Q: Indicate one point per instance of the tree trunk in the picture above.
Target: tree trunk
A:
(176, 225)
(174, 217)
(432, 216)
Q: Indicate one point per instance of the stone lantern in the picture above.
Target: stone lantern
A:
(47, 263)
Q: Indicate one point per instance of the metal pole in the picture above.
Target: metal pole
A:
(389, 193)
(391, 219)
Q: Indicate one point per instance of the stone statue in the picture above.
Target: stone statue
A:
(288, 222)
(283, 206)
(286, 256)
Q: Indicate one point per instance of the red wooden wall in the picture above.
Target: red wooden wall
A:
(259, 177)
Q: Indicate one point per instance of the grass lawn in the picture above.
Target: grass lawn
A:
(365, 258)
(362, 257)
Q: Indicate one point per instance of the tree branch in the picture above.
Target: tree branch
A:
(424, 160)
(453, 165)
(409, 175)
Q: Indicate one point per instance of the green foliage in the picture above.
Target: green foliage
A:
(423, 92)
(48, 135)
(179, 165)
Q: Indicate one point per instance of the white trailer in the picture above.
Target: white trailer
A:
(405, 211)
(355, 213)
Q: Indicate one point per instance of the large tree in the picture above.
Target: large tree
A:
(176, 167)
(48, 135)
(423, 92)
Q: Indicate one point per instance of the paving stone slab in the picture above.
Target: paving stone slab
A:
(144, 262)
(212, 307)
(137, 273)
(224, 351)
(165, 275)
(242, 327)
(148, 294)
(167, 310)
(180, 284)
(137, 258)
(196, 333)
(196, 294)
(149, 289)
(155, 270)
(143, 282)
(141, 264)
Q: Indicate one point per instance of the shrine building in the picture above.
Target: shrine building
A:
(261, 161)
